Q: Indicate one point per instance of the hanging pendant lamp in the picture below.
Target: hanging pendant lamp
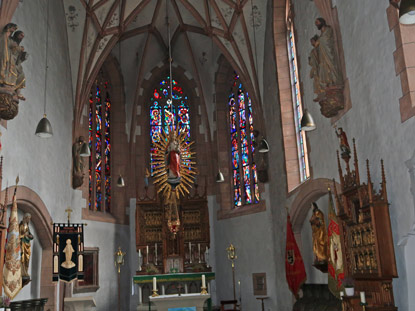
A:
(44, 128)
(120, 182)
(407, 12)
(219, 177)
(307, 122)
(85, 151)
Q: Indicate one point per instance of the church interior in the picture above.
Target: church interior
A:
(207, 155)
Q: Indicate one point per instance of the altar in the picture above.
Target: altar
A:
(173, 283)
(180, 302)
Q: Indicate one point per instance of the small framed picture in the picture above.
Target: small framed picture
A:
(260, 284)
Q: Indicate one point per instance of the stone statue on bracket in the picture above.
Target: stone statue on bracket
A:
(326, 72)
(12, 78)
(78, 163)
(319, 233)
(25, 238)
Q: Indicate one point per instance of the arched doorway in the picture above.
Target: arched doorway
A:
(29, 201)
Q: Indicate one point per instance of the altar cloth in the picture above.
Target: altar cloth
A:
(186, 302)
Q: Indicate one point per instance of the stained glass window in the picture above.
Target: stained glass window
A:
(297, 105)
(244, 176)
(100, 146)
(164, 113)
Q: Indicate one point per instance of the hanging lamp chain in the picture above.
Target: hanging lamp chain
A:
(47, 49)
(170, 64)
(253, 29)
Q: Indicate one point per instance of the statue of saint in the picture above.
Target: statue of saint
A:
(68, 250)
(8, 74)
(344, 144)
(336, 251)
(313, 61)
(25, 238)
(329, 68)
(173, 162)
(318, 226)
(20, 56)
(78, 164)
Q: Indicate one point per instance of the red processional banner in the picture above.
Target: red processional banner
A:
(294, 265)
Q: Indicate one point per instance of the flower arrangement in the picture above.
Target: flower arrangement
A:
(5, 302)
(348, 282)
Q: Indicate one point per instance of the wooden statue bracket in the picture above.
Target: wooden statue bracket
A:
(367, 242)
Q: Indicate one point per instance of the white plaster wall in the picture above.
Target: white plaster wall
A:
(374, 119)
(44, 165)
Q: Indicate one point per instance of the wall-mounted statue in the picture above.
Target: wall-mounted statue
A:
(345, 150)
(319, 232)
(12, 78)
(78, 163)
(25, 238)
(325, 70)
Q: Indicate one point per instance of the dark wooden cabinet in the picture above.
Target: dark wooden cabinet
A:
(368, 250)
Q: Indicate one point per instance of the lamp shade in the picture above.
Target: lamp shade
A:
(307, 122)
(85, 152)
(263, 146)
(44, 129)
(120, 182)
(407, 12)
(219, 177)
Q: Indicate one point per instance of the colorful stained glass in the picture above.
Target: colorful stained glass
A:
(100, 146)
(165, 114)
(242, 146)
(296, 95)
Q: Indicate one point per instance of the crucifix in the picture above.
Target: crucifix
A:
(69, 211)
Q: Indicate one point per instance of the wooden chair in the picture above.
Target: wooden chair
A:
(223, 303)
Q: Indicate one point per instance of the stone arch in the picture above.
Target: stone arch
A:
(309, 192)
(29, 201)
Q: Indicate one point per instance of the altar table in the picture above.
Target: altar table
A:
(169, 302)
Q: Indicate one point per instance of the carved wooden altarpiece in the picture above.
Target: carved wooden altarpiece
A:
(368, 251)
(175, 253)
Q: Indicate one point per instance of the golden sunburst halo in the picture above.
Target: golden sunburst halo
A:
(187, 164)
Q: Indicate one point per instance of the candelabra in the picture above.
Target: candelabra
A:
(232, 257)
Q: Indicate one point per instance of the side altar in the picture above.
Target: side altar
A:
(171, 284)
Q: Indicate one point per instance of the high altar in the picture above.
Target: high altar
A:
(179, 260)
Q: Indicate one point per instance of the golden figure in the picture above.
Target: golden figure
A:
(68, 250)
(318, 226)
(25, 238)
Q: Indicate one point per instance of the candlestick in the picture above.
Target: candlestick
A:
(190, 252)
(203, 292)
(147, 253)
(362, 297)
(140, 260)
(198, 247)
(155, 250)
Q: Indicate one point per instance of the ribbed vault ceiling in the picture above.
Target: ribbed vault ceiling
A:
(200, 31)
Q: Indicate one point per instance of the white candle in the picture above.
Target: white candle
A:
(342, 294)
(203, 281)
(362, 297)
(198, 247)
(155, 247)
(154, 283)
(190, 252)
(147, 253)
